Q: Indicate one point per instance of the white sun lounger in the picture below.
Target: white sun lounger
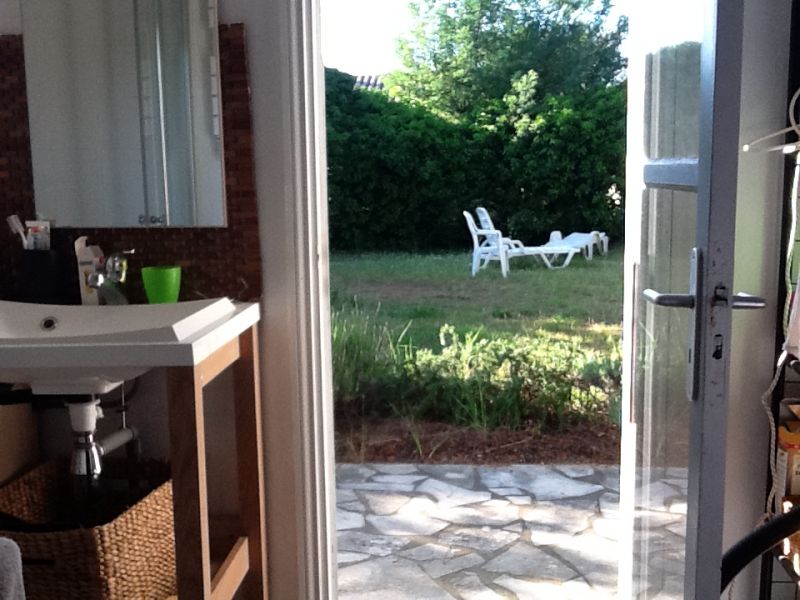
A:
(489, 245)
(547, 254)
(585, 242)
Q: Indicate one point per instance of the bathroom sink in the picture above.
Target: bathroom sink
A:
(38, 323)
(93, 349)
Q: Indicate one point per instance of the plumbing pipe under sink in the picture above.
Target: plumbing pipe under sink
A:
(87, 452)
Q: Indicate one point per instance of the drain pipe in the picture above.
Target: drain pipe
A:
(116, 440)
(86, 464)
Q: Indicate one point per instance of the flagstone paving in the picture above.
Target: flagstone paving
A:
(527, 532)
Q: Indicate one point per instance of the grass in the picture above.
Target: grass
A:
(582, 302)
(415, 336)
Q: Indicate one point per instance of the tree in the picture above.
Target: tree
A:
(464, 57)
(514, 106)
(567, 164)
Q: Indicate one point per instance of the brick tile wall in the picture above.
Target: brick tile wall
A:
(16, 178)
(215, 261)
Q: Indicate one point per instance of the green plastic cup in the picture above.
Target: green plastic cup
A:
(161, 284)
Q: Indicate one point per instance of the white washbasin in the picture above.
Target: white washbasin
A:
(93, 349)
(131, 323)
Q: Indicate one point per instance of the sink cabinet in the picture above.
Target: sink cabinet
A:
(91, 349)
(245, 564)
(19, 447)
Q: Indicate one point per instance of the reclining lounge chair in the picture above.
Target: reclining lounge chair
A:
(488, 244)
(585, 242)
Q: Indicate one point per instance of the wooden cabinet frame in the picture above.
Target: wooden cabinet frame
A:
(245, 565)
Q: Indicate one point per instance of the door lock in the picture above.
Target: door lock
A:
(722, 298)
(717, 354)
(739, 301)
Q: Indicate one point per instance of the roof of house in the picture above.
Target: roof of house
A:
(368, 82)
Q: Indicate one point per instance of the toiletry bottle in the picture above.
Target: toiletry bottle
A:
(38, 235)
(89, 259)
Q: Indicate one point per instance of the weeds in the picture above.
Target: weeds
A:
(366, 355)
(537, 350)
(522, 381)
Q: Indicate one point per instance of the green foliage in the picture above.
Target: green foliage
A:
(567, 160)
(524, 381)
(365, 353)
(513, 106)
(465, 56)
(397, 174)
(539, 349)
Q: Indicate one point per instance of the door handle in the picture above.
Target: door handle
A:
(737, 301)
(740, 301)
(690, 300)
(670, 300)
(747, 302)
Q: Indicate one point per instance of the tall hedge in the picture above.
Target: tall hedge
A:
(400, 176)
(568, 166)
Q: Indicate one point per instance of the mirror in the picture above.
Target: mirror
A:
(124, 109)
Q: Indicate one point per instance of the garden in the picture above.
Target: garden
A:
(431, 364)
(521, 109)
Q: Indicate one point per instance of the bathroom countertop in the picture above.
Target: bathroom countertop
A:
(148, 354)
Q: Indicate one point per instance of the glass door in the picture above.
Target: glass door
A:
(681, 194)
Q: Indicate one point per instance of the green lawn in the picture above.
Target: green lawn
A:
(539, 349)
(582, 301)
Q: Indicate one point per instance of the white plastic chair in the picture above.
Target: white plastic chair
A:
(487, 245)
(486, 223)
(585, 242)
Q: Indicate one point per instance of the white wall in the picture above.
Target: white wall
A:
(758, 223)
(10, 17)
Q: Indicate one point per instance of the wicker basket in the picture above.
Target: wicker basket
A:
(131, 557)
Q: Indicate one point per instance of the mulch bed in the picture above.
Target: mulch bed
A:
(396, 440)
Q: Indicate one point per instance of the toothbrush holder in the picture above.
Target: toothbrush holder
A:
(161, 284)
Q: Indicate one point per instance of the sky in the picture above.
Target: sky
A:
(360, 36)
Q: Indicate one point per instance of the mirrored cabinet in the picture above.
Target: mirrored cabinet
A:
(124, 110)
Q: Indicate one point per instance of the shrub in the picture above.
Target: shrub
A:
(529, 225)
(400, 175)
(568, 160)
(524, 381)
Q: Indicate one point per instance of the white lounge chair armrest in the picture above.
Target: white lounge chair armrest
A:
(487, 231)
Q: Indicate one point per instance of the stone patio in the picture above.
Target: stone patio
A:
(430, 532)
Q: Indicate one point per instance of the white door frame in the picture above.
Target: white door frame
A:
(288, 103)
